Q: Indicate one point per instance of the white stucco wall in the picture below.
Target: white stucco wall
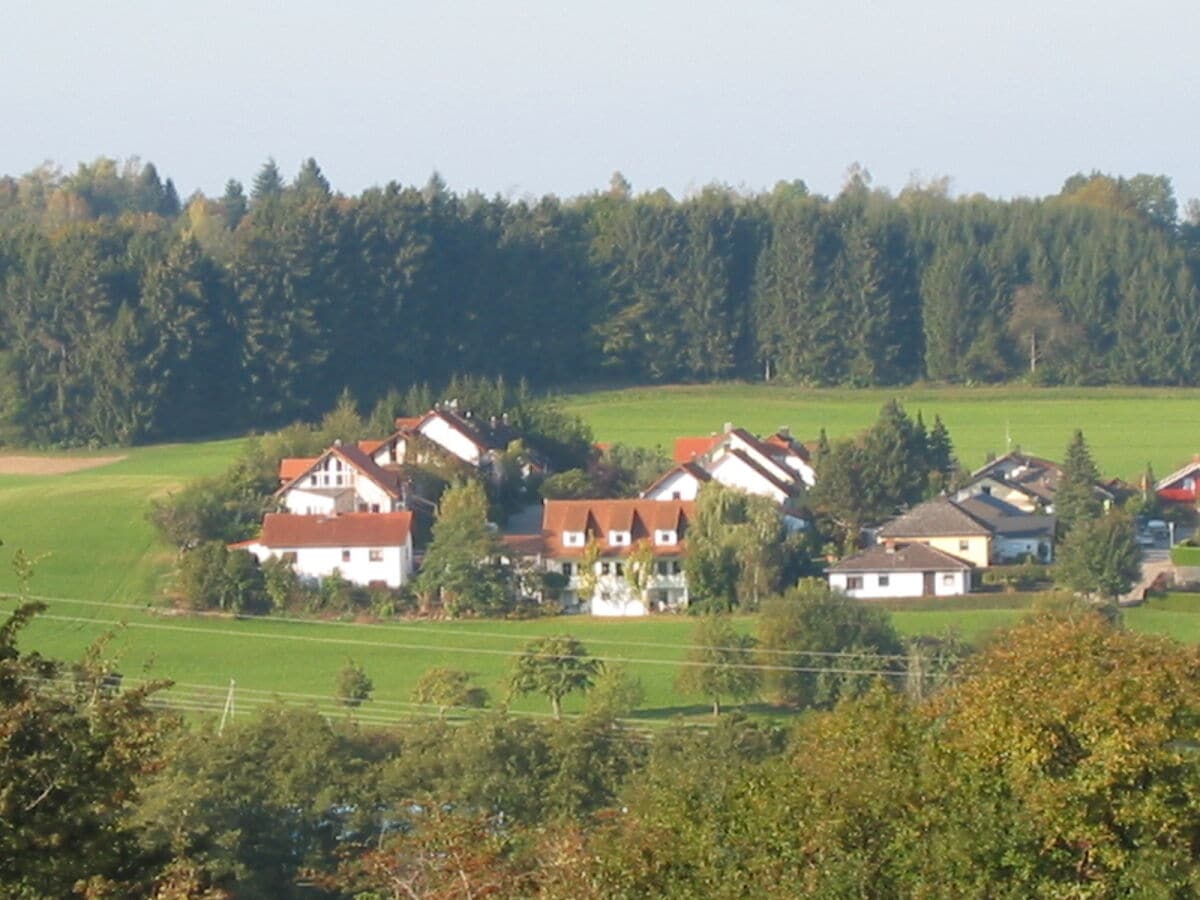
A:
(394, 569)
(900, 584)
(683, 483)
(613, 595)
(316, 503)
(1013, 548)
(732, 472)
(451, 439)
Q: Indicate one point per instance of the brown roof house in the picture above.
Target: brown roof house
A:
(901, 570)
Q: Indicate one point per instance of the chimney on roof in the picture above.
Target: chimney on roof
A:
(337, 442)
(493, 421)
(785, 431)
(889, 545)
(728, 427)
(504, 418)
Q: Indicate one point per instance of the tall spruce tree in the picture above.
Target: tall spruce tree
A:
(1075, 500)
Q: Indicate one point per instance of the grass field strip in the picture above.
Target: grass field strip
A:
(489, 651)
(444, 628)
(212, 698)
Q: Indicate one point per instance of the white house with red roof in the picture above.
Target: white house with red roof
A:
(776, 467)
(364, 548)
(343, 479)
(611, 533)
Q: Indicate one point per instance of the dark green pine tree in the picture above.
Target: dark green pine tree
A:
(233, 204)
(311, 182)
(268, 183)
(1076, 501)
(897, 472)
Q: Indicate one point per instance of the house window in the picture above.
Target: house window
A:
(337, 465)
(884, 580)
(345, 556)
(676, 495)
(662, 568)
(325, 480)
(605, 568)
(566, 569)
(288, 556)
(676, 567)
(964, 545)
(312, 479)
(374, 507)
(620, 568)
(854, 582)
(947, 579)
(375, 555)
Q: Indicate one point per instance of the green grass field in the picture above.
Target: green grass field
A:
(1126, 427)
(94, 545)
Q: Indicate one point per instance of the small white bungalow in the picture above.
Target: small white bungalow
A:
(364, 548)
(900, 570)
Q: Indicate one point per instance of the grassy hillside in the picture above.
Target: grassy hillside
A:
(96, 547)
(89, 527)
(1126, 427)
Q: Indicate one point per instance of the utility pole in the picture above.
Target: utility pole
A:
(228, 712)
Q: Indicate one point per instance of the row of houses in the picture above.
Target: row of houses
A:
(352, 509)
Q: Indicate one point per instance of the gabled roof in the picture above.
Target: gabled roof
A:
(688, 448)
(901, 558)
(694, 469)
(1018, 459)
(641, 518)
(408, 423)
(1170, 482)
(940, 517)
(787, 444)
(370, 446)
(1004, 518)
(788, 487)
(284, 531)
(494, 436)
(360, 461)
(291, 467)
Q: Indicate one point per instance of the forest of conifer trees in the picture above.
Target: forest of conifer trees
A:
(127, 315)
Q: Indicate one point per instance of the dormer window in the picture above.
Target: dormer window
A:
(572, 538)
(664, 536)
(618, 538)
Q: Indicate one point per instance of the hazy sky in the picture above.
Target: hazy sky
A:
(551, 97)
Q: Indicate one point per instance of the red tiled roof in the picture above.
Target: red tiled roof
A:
(598, 517)
(282, 530)
(292, 467)
(369, 447)
(688, 448)
(407, 423)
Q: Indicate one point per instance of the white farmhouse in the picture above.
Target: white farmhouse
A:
(777, 467)
(364, 548)
(609, 533)
(340, 480)
(901, 570)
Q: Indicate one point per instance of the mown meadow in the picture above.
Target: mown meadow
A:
(100, 564)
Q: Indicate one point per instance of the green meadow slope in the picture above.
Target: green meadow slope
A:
(99, 557)
(1126, 427)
